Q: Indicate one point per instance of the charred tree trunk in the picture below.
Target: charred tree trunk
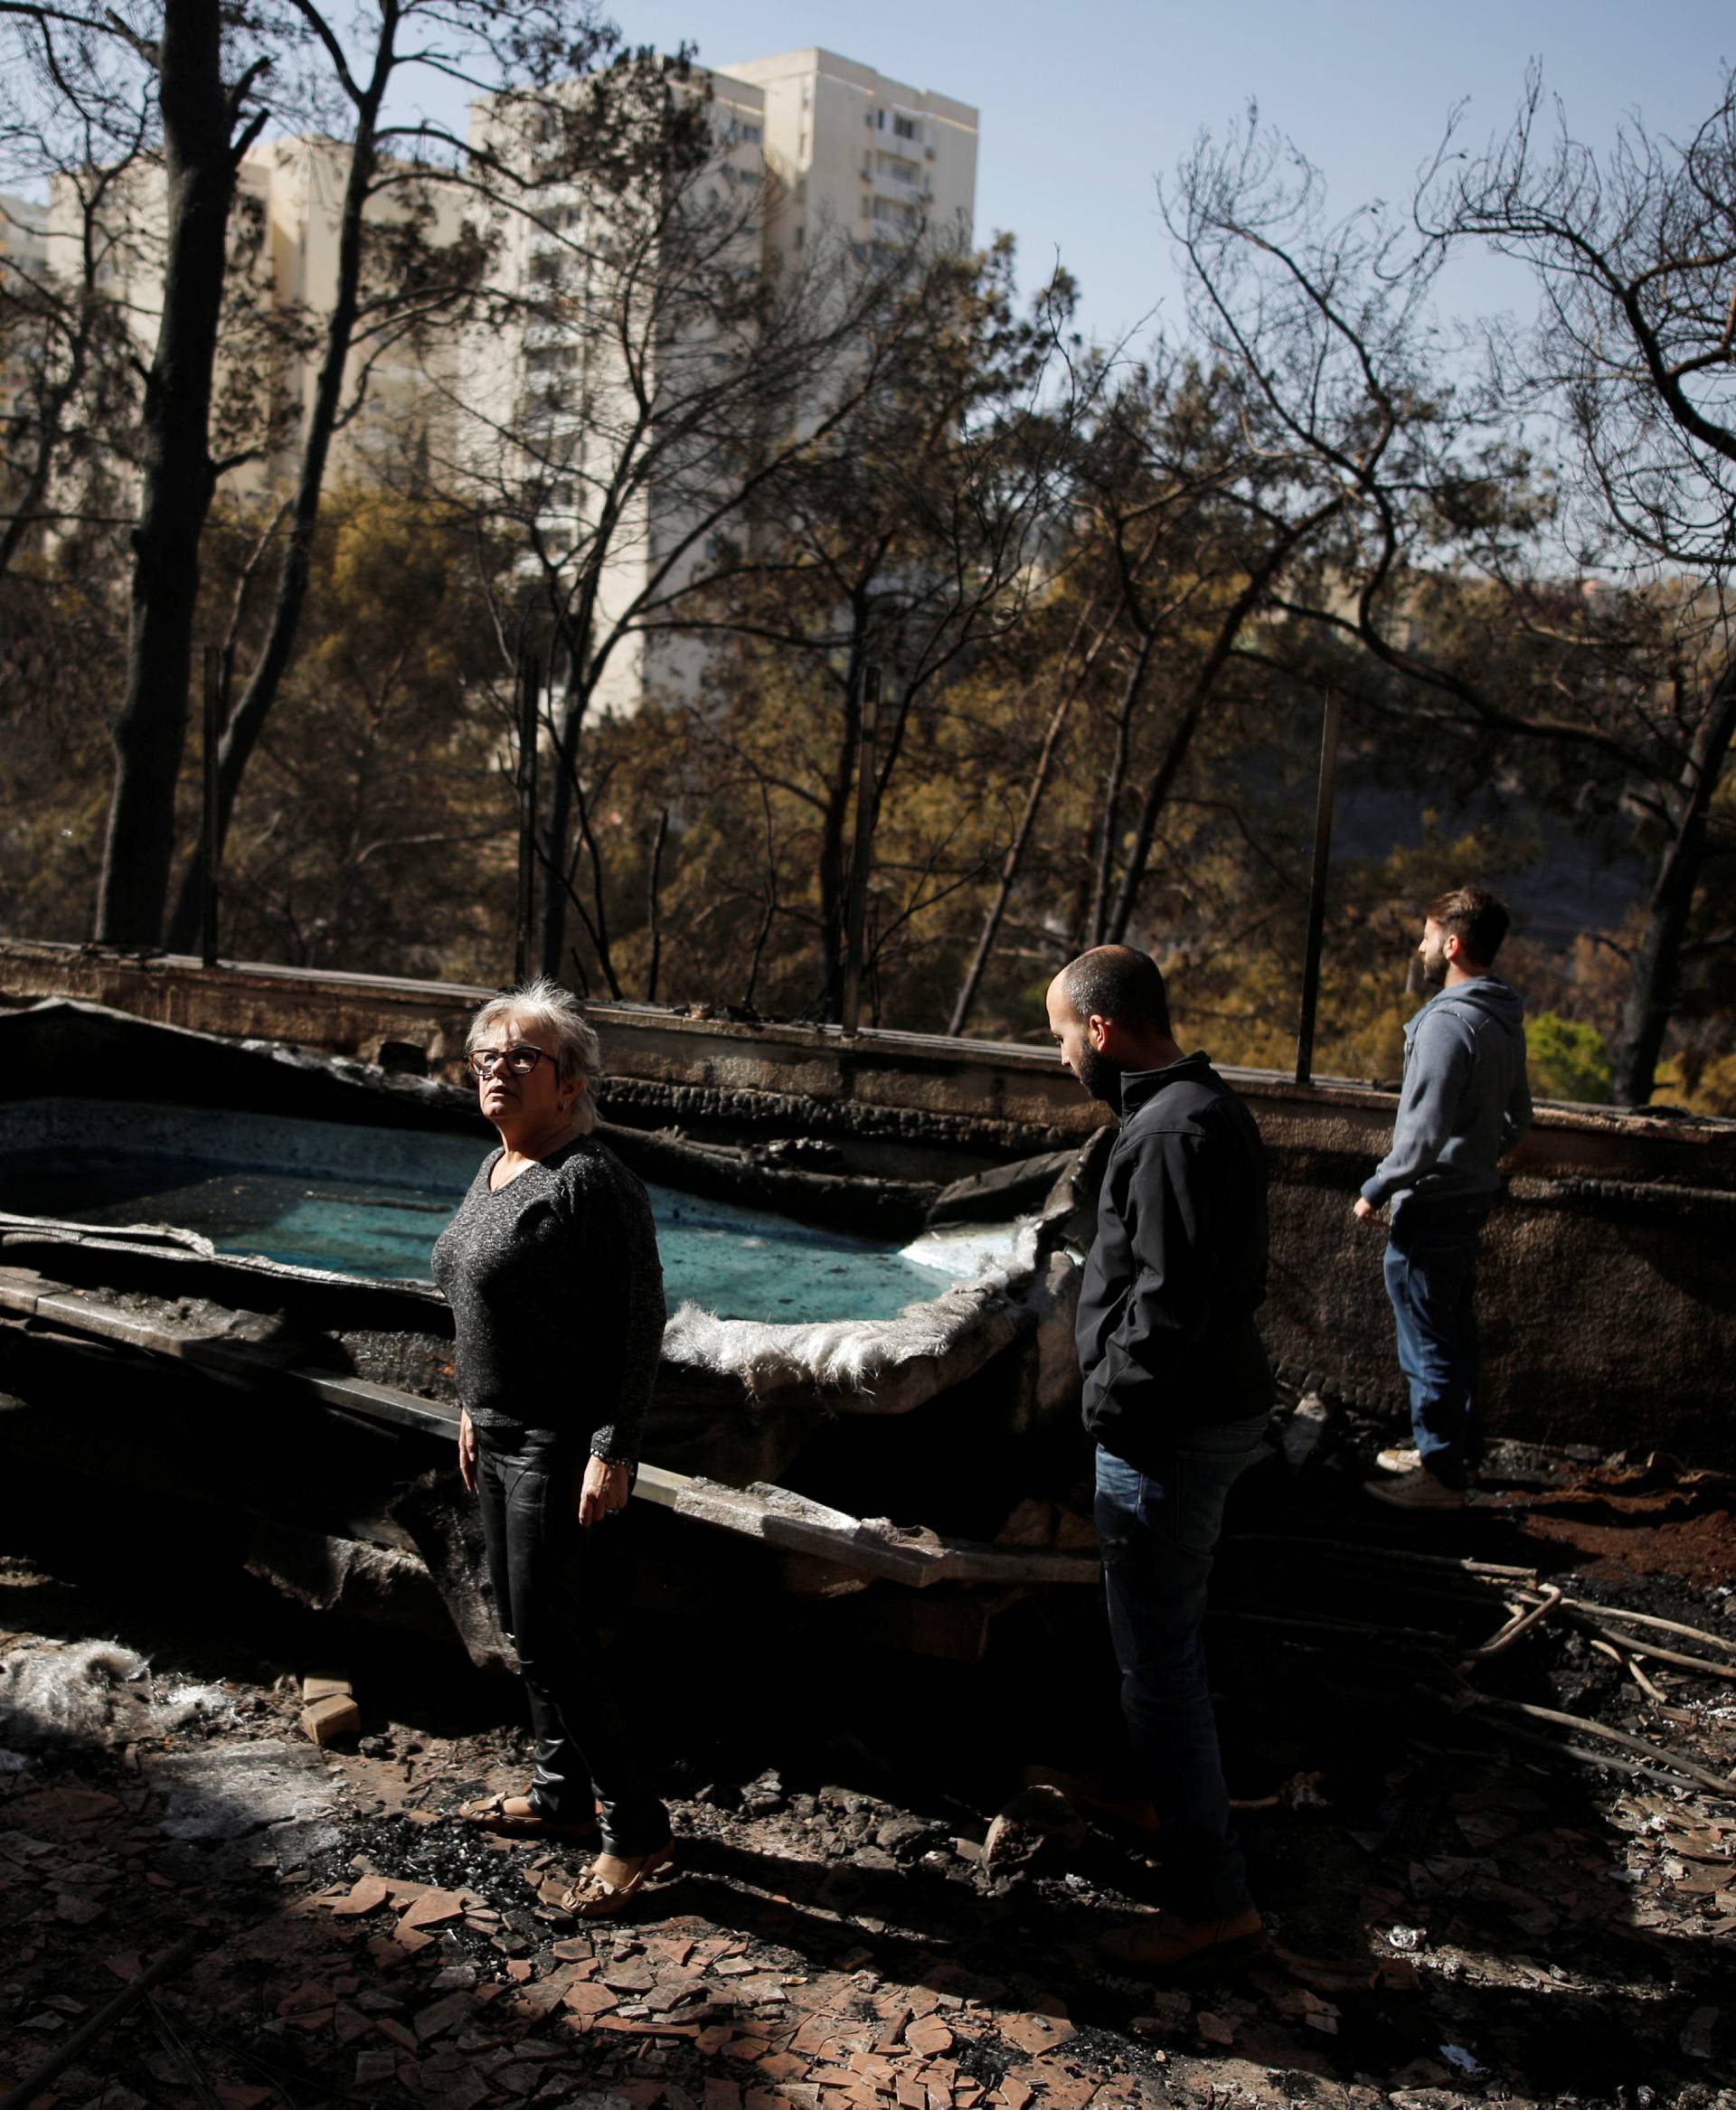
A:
(1652, 988)
(834, 834)
(1162, 781)
(654, 906)
(1114, 784)
(1013, 861)
(242, 733)
(1015, 858)
(569, 731)
(199, 114)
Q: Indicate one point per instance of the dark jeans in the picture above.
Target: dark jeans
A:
(1430, 1277)
(541, 1565)
(1158, 1531)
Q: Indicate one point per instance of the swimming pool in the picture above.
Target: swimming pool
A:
(371, 1201)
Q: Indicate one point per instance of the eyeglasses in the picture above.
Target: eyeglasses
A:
(521, 1060)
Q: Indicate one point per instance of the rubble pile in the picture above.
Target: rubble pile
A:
(1468, 1902)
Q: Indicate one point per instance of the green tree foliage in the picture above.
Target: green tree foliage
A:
(1568, 1059)
(1105, 595)
(376, 831)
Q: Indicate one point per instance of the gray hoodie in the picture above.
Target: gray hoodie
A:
(1466, 1101)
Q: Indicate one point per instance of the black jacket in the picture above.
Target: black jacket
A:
(1165, 1327)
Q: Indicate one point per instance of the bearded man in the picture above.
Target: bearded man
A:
(1465, 1103)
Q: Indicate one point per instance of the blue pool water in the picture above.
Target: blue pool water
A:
(371, 1201)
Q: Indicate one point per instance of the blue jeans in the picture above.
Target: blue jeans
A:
(1158, 1531)
(1431, 1278)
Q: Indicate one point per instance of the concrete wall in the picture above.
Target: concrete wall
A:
(1609, 1298)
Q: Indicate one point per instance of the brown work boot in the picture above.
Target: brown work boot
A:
(1097, 1798)
(1420, 1490)
(1162, 1946)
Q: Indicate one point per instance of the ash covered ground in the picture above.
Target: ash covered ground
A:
(1461, 1908)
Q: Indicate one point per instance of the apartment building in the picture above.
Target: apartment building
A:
(855, 150)
(850, 152)
(819, 148)
(24, 260)
(284, 245)
(608, 316)
(23, 235)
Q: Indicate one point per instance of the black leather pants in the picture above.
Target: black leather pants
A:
(541, 1565)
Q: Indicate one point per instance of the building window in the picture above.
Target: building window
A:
(905, 128)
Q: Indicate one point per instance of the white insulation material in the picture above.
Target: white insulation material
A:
(888, 1366)
(89, 1692)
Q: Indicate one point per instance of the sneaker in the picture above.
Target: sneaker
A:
(1094, 1797)
(1415, 1490)
(1397, 1461)
(1162, 1946)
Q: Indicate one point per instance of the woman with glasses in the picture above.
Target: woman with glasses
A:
(550, 1269)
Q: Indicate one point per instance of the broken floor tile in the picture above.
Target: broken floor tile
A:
(363, 1895)
(586, 1997)
(1032, 2033)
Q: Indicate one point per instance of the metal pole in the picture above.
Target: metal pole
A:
(857, 920)
(213, 704)
(530, 685)
(1317, 888)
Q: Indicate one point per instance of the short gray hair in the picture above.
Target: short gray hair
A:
(554, 1011)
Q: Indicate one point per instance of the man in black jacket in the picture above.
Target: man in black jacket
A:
(1178, 1393)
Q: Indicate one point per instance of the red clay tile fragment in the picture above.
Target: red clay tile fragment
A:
(1033, 2034)
(445, 2014)
(781, 2066)
(1068, 2091)
(364, 1896)
(930, 2035)
(434, 1908)
(587, 1998)
(309, 1996)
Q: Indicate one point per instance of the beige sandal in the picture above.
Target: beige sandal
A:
(611, 1881)
(518, 1817)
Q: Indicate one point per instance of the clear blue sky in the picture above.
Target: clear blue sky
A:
(1083, 105)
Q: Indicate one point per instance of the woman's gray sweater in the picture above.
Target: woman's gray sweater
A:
(557, 1291)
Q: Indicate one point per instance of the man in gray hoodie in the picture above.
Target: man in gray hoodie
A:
(1466, 1102)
